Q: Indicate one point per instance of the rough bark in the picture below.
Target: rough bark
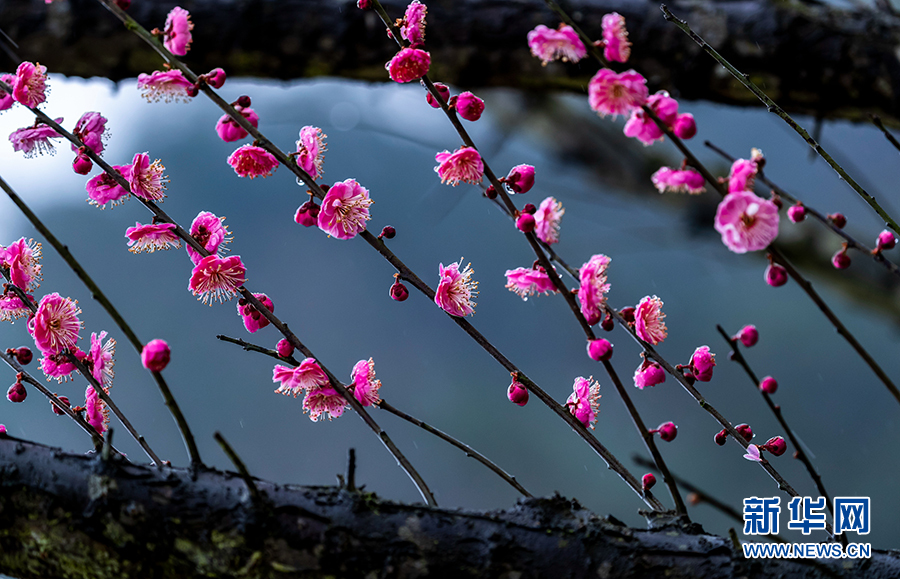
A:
(811, 58)
(64, 515)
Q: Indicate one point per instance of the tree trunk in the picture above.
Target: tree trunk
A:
(64, 515)
(809, 57)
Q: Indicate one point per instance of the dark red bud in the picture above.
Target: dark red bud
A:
(388, 232)
(243, 101)
(56, 410)
(628, 314)
(24, 356)
(529, 208)
(399, 291)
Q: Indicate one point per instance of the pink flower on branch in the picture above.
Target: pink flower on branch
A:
(743, 172)
(177, 35)
(642, 127)
(253, 319)
(307, 376)
(593, 287)
(563, 44)
(408, 65)
(56, 324)
(23, 260)
(100, 358)
(31, 84)
(210, 232)
(584, 401)
(412, 28)
(649, 373)
(165, 85)
(155, 355)
(345, 210)
(6, 98)
(463, 165)
(152, 237)
(702, 363)
(252, 161)
(616, 47)
(311, 150)
(321, 400)
(456, 290)
(217, 279)
(520, 178)
(103, 189)
(12, 308)
(91, 129)
(228, 129)
(146, 179)
(668, 180)
(528, 281)
(611, 93)
(648, 320)
(34, 141)
(547, 218)
(746, 222)
(96, 413)
(365, 386)
(58, 367)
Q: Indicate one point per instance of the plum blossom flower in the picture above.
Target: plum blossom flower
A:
(345, 209)
(611, 93)
(152, 237)
(412, 28)
(547, 218)
(96, 413)
(307, 376)
(668, 180)
(463, 165)
(103, 189)
(35, 141)
(584, 401)
(31, 84)
(642, 127)
(469, 106)
(147, 180)
(593, 287)
(617, 47)
(228, 129)
(563, 44)
(648, 320)
(178, 31)
(58, 366)
(456, 290)
(321, 400)
(6, 98)
(101, 358)
(365, 386)
(311, 150)
(743, 172)
(408, 65)
(12, 308)
(252, 161)
(217, 279)
(165, 85)
(649, 373)
(702, 363)
(526, 281)
(253, 319)
(520, 178)
(155, 355)
(91, 130)
(746, 222)
(210, 232)
(56, 324)
(23, 260)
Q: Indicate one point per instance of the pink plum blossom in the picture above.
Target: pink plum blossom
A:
(215, 78)
(103, 189)
(12, 308)
(456, 290)
(6, 98)
(345, 209)
(517, 393)
(31, 84)
(284, 348)
(520, 178)
(563, 44)
(593, 287)
(746, 222)
(252, 161)
(311, 150)
(23, 258)
(885, 240)
(463, 165)
(685, 127)
(668, 180)
(307, 376)
(642, 127)
(526, 281)
(748, 335)
(408, 65)
(321, 400)
(152, 237)
(165, 85)
(611, 93)
(649, 373)
(469, 106)
(443, 90)
(648, 320)
(101, 360)
(743, 172)
(210, 232)
(547, 218)
(702, 363)
(413, 26)
(155, 355)
(616, 47)
(253, 319)
(365, 386)
(91, 129)
(34, 141)
(228, 129)
(96, 413)
(56, 324)
(217, 279)
(178, 31)
(147, 180)
(584, 401)
(58, 366)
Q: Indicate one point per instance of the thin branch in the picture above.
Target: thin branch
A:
(255, 495)
(247, 346)
(772, 107)
(876, 120)
(100, 297)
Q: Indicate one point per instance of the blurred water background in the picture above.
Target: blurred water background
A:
(334, 295)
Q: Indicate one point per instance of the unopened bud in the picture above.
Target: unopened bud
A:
(23, 355)
(721, 437)
(608, 323)
(796, 213)
(526, 223)
(16, 393)
(667, 431)
(748, 336)
(776, 445)
(838, 219)
(284, 348)
(82, 164)
(517, 393)
(520, 178)
(529, 208)
(841, 260)
(628, 314)
(768, 385)
(399, 291)
(600, 350)
(491, 192)
(442, 89)
(886, 240)
(776, 276)
(685, 126)
(745, 431)
(307, 214)
(243, 101)
(648, 481)
(469, 106)
(56, 410)
(192, 90)
(388, 232)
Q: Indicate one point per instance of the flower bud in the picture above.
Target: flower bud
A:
(16, 393)
(442, 89)
(123, 4)
(2, 430)
(838, 219)
(667, 431)
(768, 385)
(628, 314)
(284, 348)
(307, 214)
(155, 355)
(745, 431)
(748, 336)
(721, 437)
(399, 291)
(490, 193)
(520, 178)
(841, 260)
(648, 481)
(469, 106)
(608, 323)
(702, 363)
(388, 232)
(649, 374)
(600, 350)
(192, 90)
(243, 101)
(529, 208)
(685, 126)
(216, 78)
(517, 393)
(776, 276)
(56, 410)
(776, 445)
(886, 240)
(796, 213)
(82, 164)
(525, 222)
(23, 355)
